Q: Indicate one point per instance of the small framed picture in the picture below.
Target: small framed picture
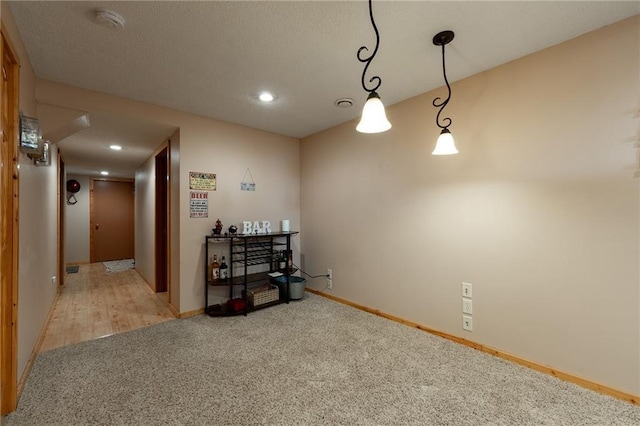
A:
(30, 141)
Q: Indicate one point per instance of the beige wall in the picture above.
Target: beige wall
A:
(207, 145)
(76, 243)
(145, 221)
(274, 164)
(37, 219)
(539, 211)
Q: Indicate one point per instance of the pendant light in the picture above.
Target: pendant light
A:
(445, 144)
(374, 118)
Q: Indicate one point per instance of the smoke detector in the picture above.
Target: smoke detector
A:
(344, 103)
(109, 19)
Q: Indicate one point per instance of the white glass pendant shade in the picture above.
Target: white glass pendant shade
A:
(374, 118)
(445, 144)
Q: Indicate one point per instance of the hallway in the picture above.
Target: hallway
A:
(94, 303)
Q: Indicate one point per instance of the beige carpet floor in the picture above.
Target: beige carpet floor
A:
(311, 362)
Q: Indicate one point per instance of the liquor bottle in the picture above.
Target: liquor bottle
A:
(290, 260)
(224, 270)
(214, 269)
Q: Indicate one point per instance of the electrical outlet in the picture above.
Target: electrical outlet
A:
(467, 323)
(329, 279)
(467, 306)
(467, 290)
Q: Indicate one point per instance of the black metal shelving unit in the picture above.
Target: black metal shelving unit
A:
(245, 251)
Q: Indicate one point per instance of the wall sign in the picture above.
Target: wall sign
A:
(198, 204)
(247, 185)
(202, 181)
(257, 227)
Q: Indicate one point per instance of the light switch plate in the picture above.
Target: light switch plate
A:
(467, 290)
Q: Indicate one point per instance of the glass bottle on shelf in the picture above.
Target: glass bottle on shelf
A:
(214, 269)
(224, 270)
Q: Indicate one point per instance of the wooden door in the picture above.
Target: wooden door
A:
(162, 228)
(8, 228)
(112, 210)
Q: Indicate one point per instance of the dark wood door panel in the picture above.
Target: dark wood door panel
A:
(112, 220)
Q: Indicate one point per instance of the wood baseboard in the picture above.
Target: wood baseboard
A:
(173, 310)
(37, 347)
(77, 264)
(191, 313)
(606, 390)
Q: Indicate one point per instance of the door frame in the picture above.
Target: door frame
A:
(92, 219)
(9, 235)
(162, 245)
(62, 178)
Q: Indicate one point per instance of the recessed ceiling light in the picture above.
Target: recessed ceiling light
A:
(115, 147)
(266, 97)
(104, 173)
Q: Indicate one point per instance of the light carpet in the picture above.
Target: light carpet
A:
(311, 362)
(119, 265)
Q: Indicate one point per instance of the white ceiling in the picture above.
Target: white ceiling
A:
(87, 151)
(212, 58)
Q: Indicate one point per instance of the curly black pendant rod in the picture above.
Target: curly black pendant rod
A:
(441, 39)
(375, 78)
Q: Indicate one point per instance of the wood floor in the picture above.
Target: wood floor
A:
(94, 303)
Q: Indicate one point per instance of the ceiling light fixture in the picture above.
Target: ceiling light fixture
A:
(374, 118)
(266, 97)
(445, 144)
(104, 173)
(109, 19)
(115, 147)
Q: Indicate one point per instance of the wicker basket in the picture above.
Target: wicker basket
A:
(260, 296)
